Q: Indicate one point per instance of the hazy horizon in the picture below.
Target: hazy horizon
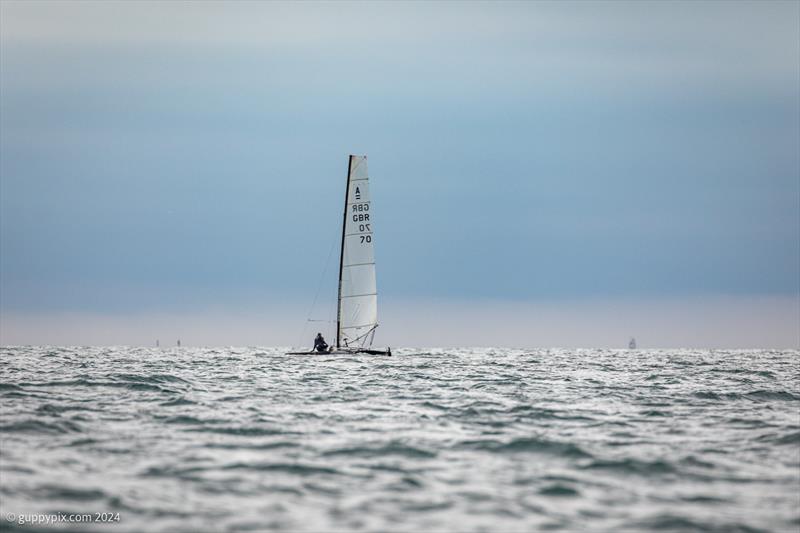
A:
(543, 174)
(721, 323)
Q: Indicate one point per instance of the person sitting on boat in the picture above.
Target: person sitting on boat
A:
(319, 344)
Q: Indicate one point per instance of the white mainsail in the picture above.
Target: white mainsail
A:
(358, 295)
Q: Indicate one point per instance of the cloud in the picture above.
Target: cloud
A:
(621, 43)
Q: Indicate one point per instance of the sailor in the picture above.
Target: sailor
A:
(319, 344)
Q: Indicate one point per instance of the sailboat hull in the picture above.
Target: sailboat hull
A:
(365, 351)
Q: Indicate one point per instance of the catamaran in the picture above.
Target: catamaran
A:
(357, 310)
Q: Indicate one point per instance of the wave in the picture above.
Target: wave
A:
(190, 420)
(654, 413)
(288, 468)
(64, 492)
(691, 460)
(758, 395)
(528, 445)
(55, 409)
(425, 506)
(791, 438)
(173, 471)
(775, 438)
(264, 446)
(39, 426)
(177, 401)
(704, 499)
(433, 405)
(773, 395)
(83, 442)
(750, 423)
(392, 448)
(132, 385)
(674, 522)
(558, 490)
(240, 431)
(150, 378)
(533, 413)
(631, 466)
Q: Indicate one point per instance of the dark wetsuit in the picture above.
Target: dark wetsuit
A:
(320, 345)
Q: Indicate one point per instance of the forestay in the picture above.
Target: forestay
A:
(358, 296)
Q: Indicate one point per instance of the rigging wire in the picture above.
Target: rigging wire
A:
(333, 310)
(316, 296)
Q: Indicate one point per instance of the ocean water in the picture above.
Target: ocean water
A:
(248, 439)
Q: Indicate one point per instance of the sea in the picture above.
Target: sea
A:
(450, 439)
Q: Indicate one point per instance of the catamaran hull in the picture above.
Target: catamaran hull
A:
(387, 352)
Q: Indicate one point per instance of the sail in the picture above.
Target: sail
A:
(358, 295)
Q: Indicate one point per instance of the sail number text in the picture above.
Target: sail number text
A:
(361, 217)
(360, 212)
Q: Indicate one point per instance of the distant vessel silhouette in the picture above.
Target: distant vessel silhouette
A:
(632, 344)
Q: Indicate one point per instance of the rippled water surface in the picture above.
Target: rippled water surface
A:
(198, 439)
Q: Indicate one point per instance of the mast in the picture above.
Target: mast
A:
(341, 254)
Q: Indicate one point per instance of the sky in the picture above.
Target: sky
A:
(542, 174)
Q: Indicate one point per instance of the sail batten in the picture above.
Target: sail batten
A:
(358, 296)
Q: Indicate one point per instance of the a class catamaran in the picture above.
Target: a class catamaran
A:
(357, 310)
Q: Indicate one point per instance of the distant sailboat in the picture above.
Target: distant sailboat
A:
(632, 344)
(357, 309)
